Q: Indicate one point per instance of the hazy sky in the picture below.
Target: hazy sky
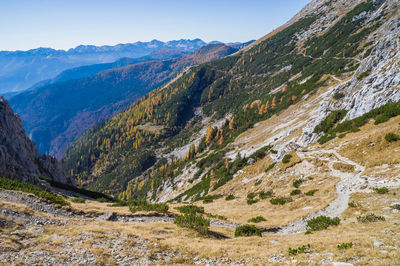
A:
(62, 24)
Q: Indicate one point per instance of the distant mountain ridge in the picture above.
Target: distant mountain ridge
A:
(88, 70)
(56, 114)
(20, 70)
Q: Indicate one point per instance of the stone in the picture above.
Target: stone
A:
(108, 216)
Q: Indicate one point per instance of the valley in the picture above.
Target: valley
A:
(282, 151)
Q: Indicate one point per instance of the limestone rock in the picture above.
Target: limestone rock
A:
(19, 158)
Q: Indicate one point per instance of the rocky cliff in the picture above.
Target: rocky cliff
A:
(19, 157)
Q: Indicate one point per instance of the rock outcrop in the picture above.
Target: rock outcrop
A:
(19, 158)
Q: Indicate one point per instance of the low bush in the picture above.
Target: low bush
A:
(297, 183)
(216, 216)
(299, 250)
(252, 201)
(382, 118)
(258, 182)
(311, 192)
(391, 137)
(396, 207)
(12, 184)
(322, 222)
(230, 197)
(381, 190)
(103, 200)
(338, 95)
(352, 204)
(345, 246)
(270, 167)
(211, 198)
(286, 158)
(143, 205)
(370, 218)
(251, 195)
(257, 219)
(78, 200)
(247, 230)
(195, 222)
(364, 74)
(264, 195)
(295, 192)
(280, 200)
(190, 209)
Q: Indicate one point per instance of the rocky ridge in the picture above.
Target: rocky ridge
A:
(19, 158)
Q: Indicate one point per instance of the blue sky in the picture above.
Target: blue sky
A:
(62, 24)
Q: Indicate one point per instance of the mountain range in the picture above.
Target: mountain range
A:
(57, 113)
(285, 152)
(20, 70)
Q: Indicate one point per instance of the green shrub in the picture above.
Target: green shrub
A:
(190, 209)
(364, 74)
(311, 192)
(230, 197)
(299, 250)
(78, 200)
(103, 200)
(338, 95)
(382, 118)
(369, 218)
(297, 183)
(221, 217)
(270, 167)
(352, 204)
(251, 195)
(286, 158)
(345, 246)
(280, 200)
(322, 222)
(211, 198)
(264, 195)
(381, 190)
(252, 201)
(391, 137)
(143, 205)
(257, 219)
(396, 207)
(258, 182)
(12, 184)
(193, 221)
(247, 230)
(330, 121)
(295, 192)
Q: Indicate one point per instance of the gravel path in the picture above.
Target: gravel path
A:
(350, 183)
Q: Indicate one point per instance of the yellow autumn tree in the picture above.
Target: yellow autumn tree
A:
(209, 135)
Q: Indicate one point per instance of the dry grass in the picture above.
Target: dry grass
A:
(369, 146)
(343, 167)
(91, 206)
(281, 182)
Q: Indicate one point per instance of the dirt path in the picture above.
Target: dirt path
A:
(350, 183)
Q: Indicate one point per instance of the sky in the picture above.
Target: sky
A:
(63, 24)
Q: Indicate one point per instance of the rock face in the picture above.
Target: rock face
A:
(381, 69)
(19, 158)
